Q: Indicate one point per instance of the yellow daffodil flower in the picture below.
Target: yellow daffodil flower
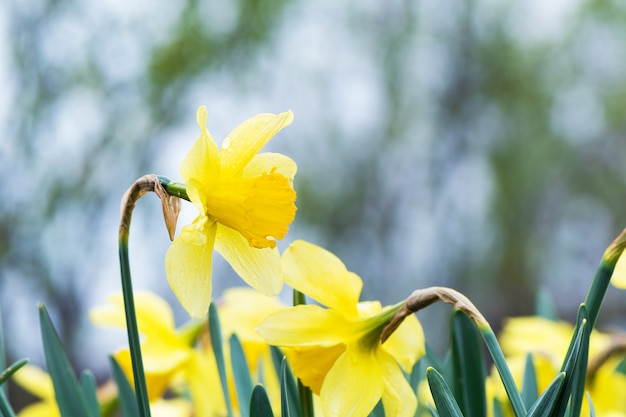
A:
(240, 312)
(36, 381)
(169, 356)
(246, 202)
(548, 342)
(337, 350)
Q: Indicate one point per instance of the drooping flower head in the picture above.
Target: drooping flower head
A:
(337, 351)
(245, 201)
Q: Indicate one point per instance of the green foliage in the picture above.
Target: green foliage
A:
(259, 403)
(468, 366)
(529, 387)
(241, 374)
(218, 351)
(126, 396)
(72, 398)
(445, 401)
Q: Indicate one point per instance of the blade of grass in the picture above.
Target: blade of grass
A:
(5, 407)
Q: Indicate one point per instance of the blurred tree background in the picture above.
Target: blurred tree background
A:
(473, 144)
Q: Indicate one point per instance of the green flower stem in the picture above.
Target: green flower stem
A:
(176, 189)
(143, 185)
(505, 373)
(304, 392)
(131, 326)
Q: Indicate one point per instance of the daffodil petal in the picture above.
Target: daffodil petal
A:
(35, 380)
(156, 382)
(176, 407)
(267, 162)
(406, 343)
(353, 385)
(203, 378)
(202, 161)
(260, 268)
(306, 325)
(398, 396)
(618, 279)
(247, 139)
(42, 409)
(313, 270)
(154, 315)
(311, 364)
(241, 311)
(188, 264)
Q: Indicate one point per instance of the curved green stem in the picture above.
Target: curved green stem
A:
(304, 392)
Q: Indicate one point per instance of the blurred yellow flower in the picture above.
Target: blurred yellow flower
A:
(337, 350)
(246, 201)
(548, 342)
(240, 312)
(36, 381)
(169, 356)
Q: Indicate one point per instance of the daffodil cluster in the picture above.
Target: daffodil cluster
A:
(356, 358)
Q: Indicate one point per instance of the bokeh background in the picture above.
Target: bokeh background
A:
(473, 144)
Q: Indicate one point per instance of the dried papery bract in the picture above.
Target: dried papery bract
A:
(424, 297)
(150, 183)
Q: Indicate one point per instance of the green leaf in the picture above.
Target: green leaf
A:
(260, 403)
(89, 386)
(2, 355)
(7, 373)
(579, 374)
(529, 387)
(5, 407)
(621, 368)
(287, 380)
(592, 410)
(571, 358)
(503, 370)
(218, 351)
(548, 400)
(285, 401)
(126, 395)
(544, 305)
(468, 366)
(67, 391)
(444, 399)
(241, 374)
(497, 409)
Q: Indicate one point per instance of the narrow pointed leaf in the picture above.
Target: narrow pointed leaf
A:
(289, 390)
(218, 351)
(503, 370)
(260, 403)
(89, 386)
(569, 363)
(544, 305)
(442, 395)
(3, 364)
(378, 411)
(592, 410)
(284, 392)
(128, 402)
(5, 407)
(15, 366)
(548, 400)
(579, 374)
(241, 373)
(497, 409)
(529, 387)
(468, 367)
(67, 391)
